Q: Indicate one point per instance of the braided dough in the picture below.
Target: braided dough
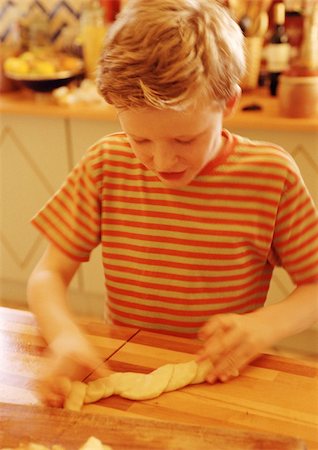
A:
(135, 386)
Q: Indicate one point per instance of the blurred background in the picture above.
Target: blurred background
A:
(44, 27)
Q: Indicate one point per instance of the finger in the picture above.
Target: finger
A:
(62, 386)
(54, 400)
(233, 363)
(229, 371)
(47, 395)
(221, 344)
(211, 347)
(211, 327)
(227, 376)
(211, 378)
(53, 387)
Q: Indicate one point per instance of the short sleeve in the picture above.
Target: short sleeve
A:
(71, 218)
(295, 240)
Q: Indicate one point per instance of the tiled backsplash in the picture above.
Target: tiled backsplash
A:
(58, 14)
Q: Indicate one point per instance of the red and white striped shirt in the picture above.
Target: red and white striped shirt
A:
(174, 257)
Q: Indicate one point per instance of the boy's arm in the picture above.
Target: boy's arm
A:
(231, 341)
(47, 293)
(70, 352)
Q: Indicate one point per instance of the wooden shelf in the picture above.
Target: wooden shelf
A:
(267, 118)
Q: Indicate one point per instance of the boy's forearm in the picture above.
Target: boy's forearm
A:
(291, 316)
(47, 298)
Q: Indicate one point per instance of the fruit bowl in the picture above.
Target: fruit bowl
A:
(42, 83)
(43, 72)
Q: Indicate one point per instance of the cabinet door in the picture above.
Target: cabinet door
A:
(34, 161)
(303, 147)
(84, 133)
(37, 153)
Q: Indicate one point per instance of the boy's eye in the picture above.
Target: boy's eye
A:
(139, 140)
(185, 141)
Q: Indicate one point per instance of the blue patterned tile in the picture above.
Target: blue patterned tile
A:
(60, 14)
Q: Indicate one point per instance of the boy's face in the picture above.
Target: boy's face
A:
(174, 145)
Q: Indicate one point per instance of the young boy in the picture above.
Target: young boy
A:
(191, 219)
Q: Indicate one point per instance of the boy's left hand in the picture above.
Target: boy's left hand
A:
(230, 342)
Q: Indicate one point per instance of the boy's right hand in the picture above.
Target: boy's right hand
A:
(70, 357)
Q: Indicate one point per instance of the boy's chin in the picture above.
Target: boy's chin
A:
(175, 180)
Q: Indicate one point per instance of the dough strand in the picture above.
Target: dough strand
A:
(138, 386)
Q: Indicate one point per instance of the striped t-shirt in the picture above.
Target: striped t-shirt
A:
(174, 257)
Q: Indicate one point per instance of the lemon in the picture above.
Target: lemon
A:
(16, 66)
(29, 57)
(44, 68)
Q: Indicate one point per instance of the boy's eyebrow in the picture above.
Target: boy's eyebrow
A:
(181, 136)
(135, 136)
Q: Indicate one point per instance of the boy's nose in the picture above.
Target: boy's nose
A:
(164, 159)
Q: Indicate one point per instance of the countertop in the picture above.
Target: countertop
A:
(267, 118)
(274, 394)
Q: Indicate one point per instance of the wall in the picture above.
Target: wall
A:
(59, 15)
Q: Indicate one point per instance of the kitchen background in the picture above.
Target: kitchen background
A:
(38, 150)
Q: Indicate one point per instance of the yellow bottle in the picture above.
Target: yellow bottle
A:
(93, 30)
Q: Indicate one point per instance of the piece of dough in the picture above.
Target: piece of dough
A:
(183, 374)
(97, 389)
(203, 368)
(94, 444)
(91, 444)
(149, 385)
(75, 399)
(138, 386)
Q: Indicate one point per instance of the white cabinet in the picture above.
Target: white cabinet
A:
(34, 161)
(36, 155)
(84, 133)
(304, 149)
(302, 146)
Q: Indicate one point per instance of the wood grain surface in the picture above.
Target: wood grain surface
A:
(22, 352)
(49, 426)
(272, 395)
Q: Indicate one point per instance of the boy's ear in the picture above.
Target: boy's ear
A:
(232, 102)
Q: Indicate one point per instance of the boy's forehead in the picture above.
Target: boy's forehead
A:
(198, 108)
(143, 121)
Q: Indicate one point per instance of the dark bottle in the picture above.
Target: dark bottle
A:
(278, 49)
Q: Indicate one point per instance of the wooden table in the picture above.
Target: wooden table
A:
(274, 394)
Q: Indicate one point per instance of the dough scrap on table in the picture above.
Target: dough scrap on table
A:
(92, 443)
(138, 386)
